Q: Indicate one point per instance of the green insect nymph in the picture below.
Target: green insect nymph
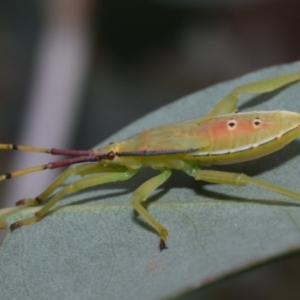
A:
(221, 137)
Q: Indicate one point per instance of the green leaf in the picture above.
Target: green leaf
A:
(97, 247)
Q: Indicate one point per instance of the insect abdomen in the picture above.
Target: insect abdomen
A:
(246, 136)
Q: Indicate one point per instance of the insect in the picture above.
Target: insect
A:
(219, 138)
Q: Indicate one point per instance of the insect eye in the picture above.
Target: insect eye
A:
(110, 155)
(231, 124)
(256, 122)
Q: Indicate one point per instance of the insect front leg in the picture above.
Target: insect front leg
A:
(73, 188)
(82, 169)
(241, 180)
(228, 104)
(141, 194)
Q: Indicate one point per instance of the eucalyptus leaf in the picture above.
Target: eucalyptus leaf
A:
(95, 246)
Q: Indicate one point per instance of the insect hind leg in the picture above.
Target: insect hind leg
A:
(241, 180)
(228, 104)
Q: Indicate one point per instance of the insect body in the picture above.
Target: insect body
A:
(221, 137)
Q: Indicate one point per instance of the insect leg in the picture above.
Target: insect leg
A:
(141, 194)
(242, 180)
(228, 104)
(81, 170)
(72, 188)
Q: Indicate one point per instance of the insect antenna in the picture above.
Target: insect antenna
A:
(52, 151)
(80, 156)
